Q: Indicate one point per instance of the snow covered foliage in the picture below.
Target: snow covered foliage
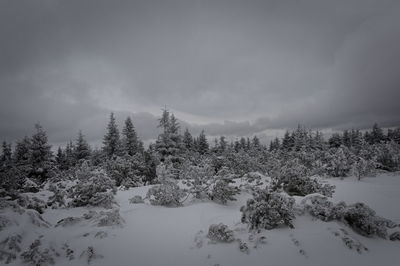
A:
(37, 255)
(220, 233)
(168, 193)
(136, 200)
(268, 210)
(126, 170)
(338, 162)
(197, 177)
(221, 189)
(293, 178)
(32, 202)
(363, 167)
(360, 217)
(204, 183)
(10, 247)
(321, 208)
(89, 255)
(94, 188)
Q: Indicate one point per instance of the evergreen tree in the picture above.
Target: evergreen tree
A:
(188, 140)
(21, 153)
(287, 141)
(60, 158)
(335, 141)
(6, 152)
(203, 143)
(255, 143)
(376, 135)
(130, 139)
(111, 141)
(40, 154)
(70, 159)
(82, 149)
(222, 144)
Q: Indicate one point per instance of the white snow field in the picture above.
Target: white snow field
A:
(162, 236)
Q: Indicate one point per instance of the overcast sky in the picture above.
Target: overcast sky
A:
(233, 67)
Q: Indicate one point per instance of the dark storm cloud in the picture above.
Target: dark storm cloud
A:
(257, 65)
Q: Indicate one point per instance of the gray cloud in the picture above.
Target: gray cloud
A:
(231, 67)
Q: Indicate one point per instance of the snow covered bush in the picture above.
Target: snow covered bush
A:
(302, 186)
(36, 255)
(363, 167)
(136, 200)
(203, 183)
(197, 178)
(221, 189)
(31, 202)
(338, 162)
(220, 233)
(167, 194)
(358, 216)
(89, 255)
(364, 220)
(95, 189)
(321, 208)
(293, 178)
(268, 210)
(56, 200)
(126, 170)
(10, 247)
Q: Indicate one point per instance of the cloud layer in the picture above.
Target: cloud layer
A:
(231, 67)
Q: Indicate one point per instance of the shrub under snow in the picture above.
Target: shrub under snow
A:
(358, 216)
(166, 194)
(220, 233)
(94, 190)
(293, 178)
(268, 210)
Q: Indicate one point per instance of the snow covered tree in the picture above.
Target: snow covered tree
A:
(268, 210)
(130, 140)
(40, 154)
(6, 155)
(188, 140)
(335, 140)
(126, 170)
(203, 146)
(338, 162)
(21, 153)
(111, 141)
(70, 159)
(168, 193)
(222, 189)
(376, 135)
(82, 149)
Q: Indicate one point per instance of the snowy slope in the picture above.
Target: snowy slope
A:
(155, 235)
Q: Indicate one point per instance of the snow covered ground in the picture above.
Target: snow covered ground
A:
(161, 236)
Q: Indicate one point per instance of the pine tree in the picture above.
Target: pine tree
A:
(111, 141)
(82, 149)
(70, 159)
(377, 135)
(60, 158)
(6, 152)
(203, 143)
(130, 139)
(164, 121)
(222, 144)
(40, 153)
(188, 140)
(5, 159)
(21, 153)
(335, 141)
